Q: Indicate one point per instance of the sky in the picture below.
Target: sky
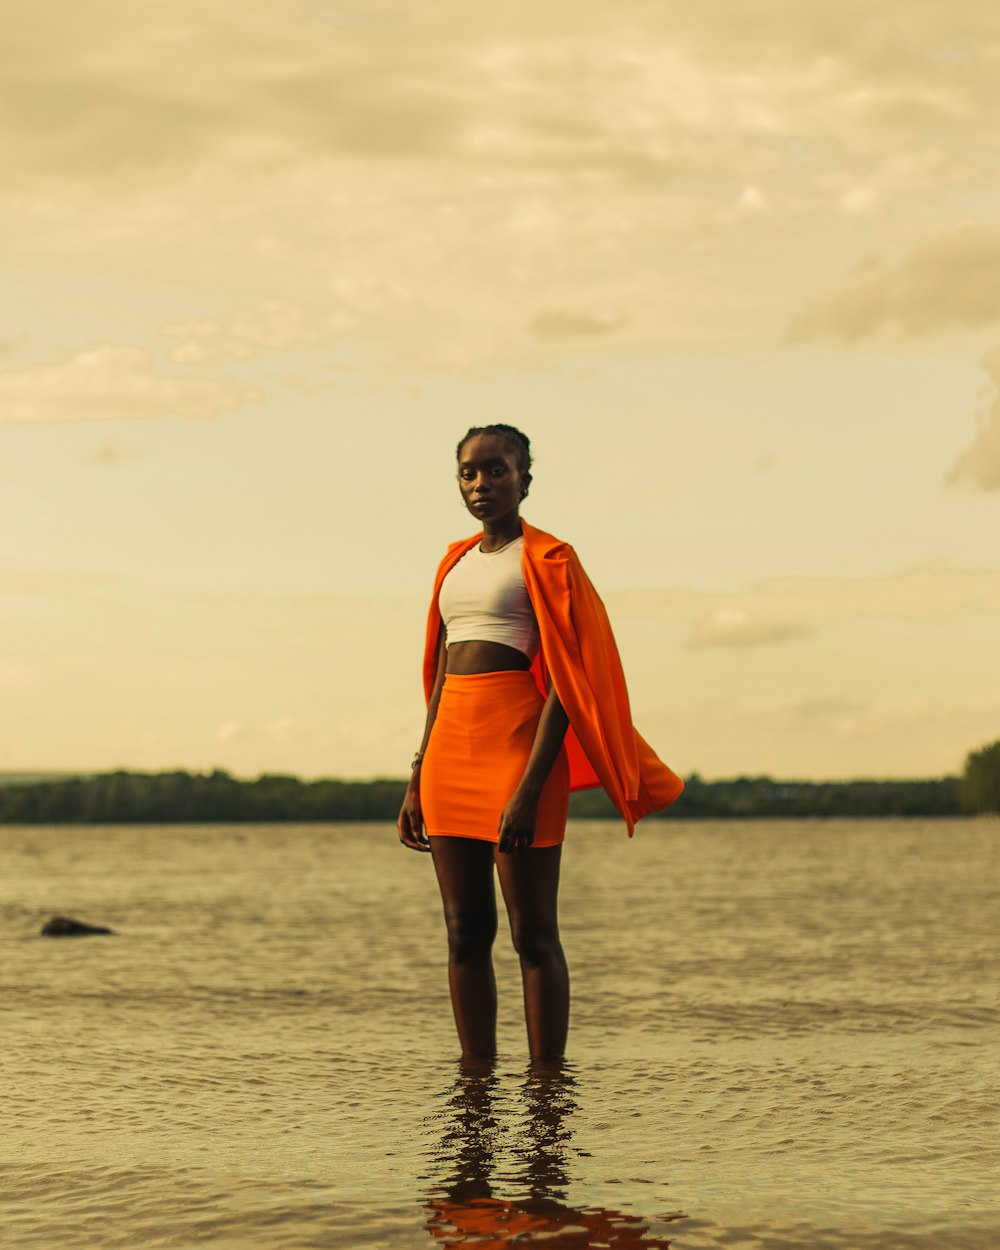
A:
(735, 270)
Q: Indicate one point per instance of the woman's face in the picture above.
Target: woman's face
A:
(489, 478)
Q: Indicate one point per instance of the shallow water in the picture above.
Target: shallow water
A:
(783, 1035)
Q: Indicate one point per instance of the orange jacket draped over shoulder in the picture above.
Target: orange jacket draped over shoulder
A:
(579, 653)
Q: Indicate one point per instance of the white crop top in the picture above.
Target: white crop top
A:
(484, 599)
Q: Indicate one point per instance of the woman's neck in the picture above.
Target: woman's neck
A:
(497, 536)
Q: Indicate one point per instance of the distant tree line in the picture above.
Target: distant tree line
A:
(979, 788)
(132, 797)
(763, 796)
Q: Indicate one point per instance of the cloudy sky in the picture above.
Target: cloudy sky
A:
(734, 268)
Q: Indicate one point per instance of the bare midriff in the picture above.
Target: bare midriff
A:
(484, 657)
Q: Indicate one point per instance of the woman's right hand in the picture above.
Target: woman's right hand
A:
(410, 823)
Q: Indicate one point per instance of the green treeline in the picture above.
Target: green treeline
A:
(762, 796)
(979, 788)
(132, 797)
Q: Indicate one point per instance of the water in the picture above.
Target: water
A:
(783, 1036)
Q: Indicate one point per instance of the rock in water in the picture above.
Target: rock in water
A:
(66, 926)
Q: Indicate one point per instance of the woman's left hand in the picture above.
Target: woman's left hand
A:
(517, 823)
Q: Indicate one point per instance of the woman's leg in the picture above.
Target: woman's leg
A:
(530, 884)
(464, 868)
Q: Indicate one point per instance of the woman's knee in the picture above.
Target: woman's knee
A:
(536, 944)
(469, 935)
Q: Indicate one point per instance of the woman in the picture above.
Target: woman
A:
(526, 701)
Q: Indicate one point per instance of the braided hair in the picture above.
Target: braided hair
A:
(515, 441)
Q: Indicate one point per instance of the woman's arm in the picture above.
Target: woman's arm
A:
(517, 821)
(410, 823)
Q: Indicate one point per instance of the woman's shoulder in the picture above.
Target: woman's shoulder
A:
(541, 545)
(456, 550)
(462, 542)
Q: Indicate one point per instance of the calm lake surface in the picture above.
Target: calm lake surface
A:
(783, 1035)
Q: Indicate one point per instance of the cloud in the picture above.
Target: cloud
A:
(265, 327)
(558, 323)
(109, 453)
(823, 709)
(279, 729)
(16, 675)
(951, 282)
(111, 382)
(734, 627)
(752, 200)
(611, 157)
(980, 462)
(866, 186)
(790, 607)
(272, 326)
(889, 734)
(859, 201)
(637, 91)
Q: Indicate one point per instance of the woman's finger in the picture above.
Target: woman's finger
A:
(415, 842)
(412, 837)
(510, 839)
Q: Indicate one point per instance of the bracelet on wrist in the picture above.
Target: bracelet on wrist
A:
(416, 760)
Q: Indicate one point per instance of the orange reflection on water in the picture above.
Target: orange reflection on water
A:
(493, 1224)
(462, 1209)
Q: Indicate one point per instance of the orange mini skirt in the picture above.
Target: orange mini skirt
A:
(476, 756)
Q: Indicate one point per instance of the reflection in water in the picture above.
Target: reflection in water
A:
(473, 1156)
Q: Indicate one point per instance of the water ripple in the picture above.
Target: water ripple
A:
(782, 1038)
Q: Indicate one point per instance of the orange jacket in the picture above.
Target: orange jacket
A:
(578, 652)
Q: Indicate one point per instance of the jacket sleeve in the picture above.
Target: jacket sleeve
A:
(636, 780)
(602, 667)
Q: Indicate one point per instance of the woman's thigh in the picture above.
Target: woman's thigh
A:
(529, 880)
(464, 868)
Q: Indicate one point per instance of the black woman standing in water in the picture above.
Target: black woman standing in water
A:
(526, 701)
